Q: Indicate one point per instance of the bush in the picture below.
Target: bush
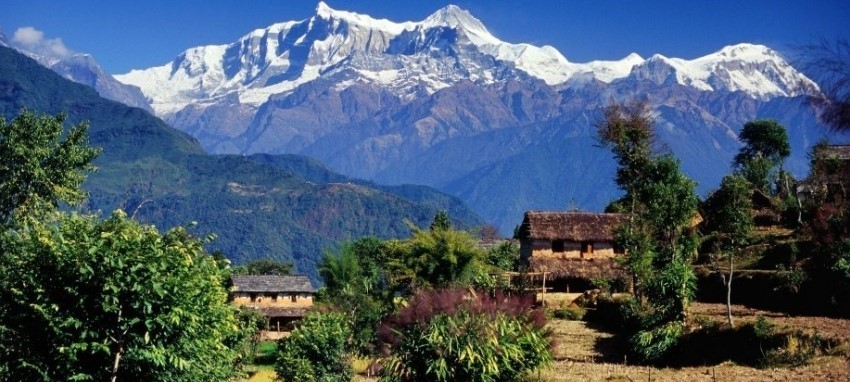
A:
(569, 313)
(454, 335)
(316, 350)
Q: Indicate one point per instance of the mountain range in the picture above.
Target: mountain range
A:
(285, 207)
(442, 102)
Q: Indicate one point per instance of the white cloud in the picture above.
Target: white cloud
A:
(33, 40)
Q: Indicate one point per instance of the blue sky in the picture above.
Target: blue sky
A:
(127, 34)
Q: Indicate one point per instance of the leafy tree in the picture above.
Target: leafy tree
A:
(504, 256)
(729, 217)
(341, 272)
(38, 167)
(316, 350)
(458, 335)
(658, 238)
(263, 267)
(84, 299)
(441, 221)
(437, 258)
(357, 286)
(765, 149)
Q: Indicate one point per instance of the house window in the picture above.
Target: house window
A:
(274, 297)
(253, 297)
(587, 247)
(294, 296)
(557, 246)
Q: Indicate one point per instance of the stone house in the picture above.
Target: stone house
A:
(571, 247)
(281, 299)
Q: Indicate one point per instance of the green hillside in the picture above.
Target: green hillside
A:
(280, 207)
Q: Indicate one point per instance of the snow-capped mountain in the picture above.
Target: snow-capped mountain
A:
(415, 58)
(443, 102)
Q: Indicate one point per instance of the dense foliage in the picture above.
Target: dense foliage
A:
(84, 299)
(458, 335)
(316, 350)
(765, 149)
(39, 168)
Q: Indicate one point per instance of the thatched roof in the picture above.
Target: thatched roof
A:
(838, 151)
(271, 283)
(573, 226)
(578, 268)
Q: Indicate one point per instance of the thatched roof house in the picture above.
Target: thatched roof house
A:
(281, 299)
(570, 244)
(271, 283)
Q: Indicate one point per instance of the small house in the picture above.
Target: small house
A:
(571, 247)
(281, 299)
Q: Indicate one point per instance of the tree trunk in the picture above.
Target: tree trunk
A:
(118, 352)
(729, 293)
(115, 364)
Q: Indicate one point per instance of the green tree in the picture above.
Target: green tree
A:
(437, 258)
(658, 238)
(356, 285)
(441, 221)
(316, 350)
(38, 167)
(84, 299)
(341, 272)
(765, 149)
(729, 218)
(504, 256)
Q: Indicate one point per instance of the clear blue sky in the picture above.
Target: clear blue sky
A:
(127, 34)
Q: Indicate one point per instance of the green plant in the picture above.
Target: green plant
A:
(569, 313)
(85, 299)
(316, 350)
(455, 335)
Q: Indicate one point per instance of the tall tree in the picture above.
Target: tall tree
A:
(729, 218)
(112, 300)
(39, 168)
(441, 221)
(765, 149)
(658, 238)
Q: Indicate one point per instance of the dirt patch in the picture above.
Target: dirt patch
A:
(585, 353)
(831, 328)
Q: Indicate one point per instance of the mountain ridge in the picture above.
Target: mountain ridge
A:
(442, 102)
(257, 209)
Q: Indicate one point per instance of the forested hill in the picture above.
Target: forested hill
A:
(280, 207)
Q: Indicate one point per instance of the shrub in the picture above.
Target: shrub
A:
(454, 335)
(569, 313)
(316, 350)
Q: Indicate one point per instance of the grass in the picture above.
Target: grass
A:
(265, 373)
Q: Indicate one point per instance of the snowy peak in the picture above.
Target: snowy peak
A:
(418, 58)
(323, 11)
(756, 70)
(456, 18)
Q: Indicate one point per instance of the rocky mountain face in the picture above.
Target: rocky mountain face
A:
(442, 102)
(82, 68)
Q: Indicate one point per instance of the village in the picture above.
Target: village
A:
(417, 191)
(571, 264)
